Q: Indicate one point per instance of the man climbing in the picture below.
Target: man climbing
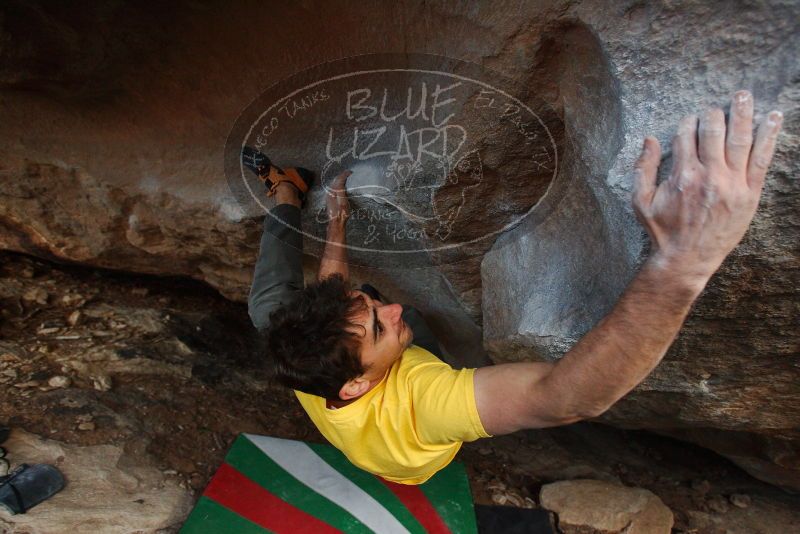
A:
(366, 372)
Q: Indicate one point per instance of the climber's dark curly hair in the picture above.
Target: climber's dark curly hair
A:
(312, 344)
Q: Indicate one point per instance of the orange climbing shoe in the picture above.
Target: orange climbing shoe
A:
(272, 175)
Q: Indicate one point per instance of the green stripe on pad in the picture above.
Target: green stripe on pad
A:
(369, 484)
(208, 517)
(450, 494)
(249, 460)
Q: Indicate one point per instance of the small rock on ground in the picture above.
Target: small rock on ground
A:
(603, 506)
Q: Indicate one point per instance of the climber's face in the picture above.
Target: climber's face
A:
(384, 336)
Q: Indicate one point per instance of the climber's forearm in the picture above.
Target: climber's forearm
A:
(334, 257)
(629, 342)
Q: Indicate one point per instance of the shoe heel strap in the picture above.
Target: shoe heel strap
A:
(20, 502)
(276, 176)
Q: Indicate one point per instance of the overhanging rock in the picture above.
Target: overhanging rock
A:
(114, 123)
(730, 381)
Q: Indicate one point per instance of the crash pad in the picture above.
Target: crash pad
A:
(269, 484)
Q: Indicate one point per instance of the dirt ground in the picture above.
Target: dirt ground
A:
(169, 369)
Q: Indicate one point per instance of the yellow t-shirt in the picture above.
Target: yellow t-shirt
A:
(410, 425)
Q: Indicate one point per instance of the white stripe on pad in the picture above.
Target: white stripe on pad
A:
(297, 459)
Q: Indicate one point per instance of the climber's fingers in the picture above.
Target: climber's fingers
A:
(740, 131)
(763, 149)
(644, 185)
(711, 137)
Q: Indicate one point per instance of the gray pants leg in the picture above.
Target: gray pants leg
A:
(278, 276)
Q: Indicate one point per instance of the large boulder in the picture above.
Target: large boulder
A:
(730, 380)
(119, 149)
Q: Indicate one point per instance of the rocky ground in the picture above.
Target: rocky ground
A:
(138, 385)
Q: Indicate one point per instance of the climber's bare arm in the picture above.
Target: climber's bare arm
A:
(694, 219)
(334, 258)
(602, 367)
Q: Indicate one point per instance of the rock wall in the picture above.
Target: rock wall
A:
(729, 381)
(112, 153)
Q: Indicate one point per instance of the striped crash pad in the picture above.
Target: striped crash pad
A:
(283, 486)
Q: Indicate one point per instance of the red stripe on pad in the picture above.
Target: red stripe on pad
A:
(244, 497)
(419, 506)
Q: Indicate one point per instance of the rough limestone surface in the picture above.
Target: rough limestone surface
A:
(112, 154)
(106, 491)
(730, 380)
(592, 506)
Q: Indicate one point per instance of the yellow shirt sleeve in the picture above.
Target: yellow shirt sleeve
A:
(444, 403)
